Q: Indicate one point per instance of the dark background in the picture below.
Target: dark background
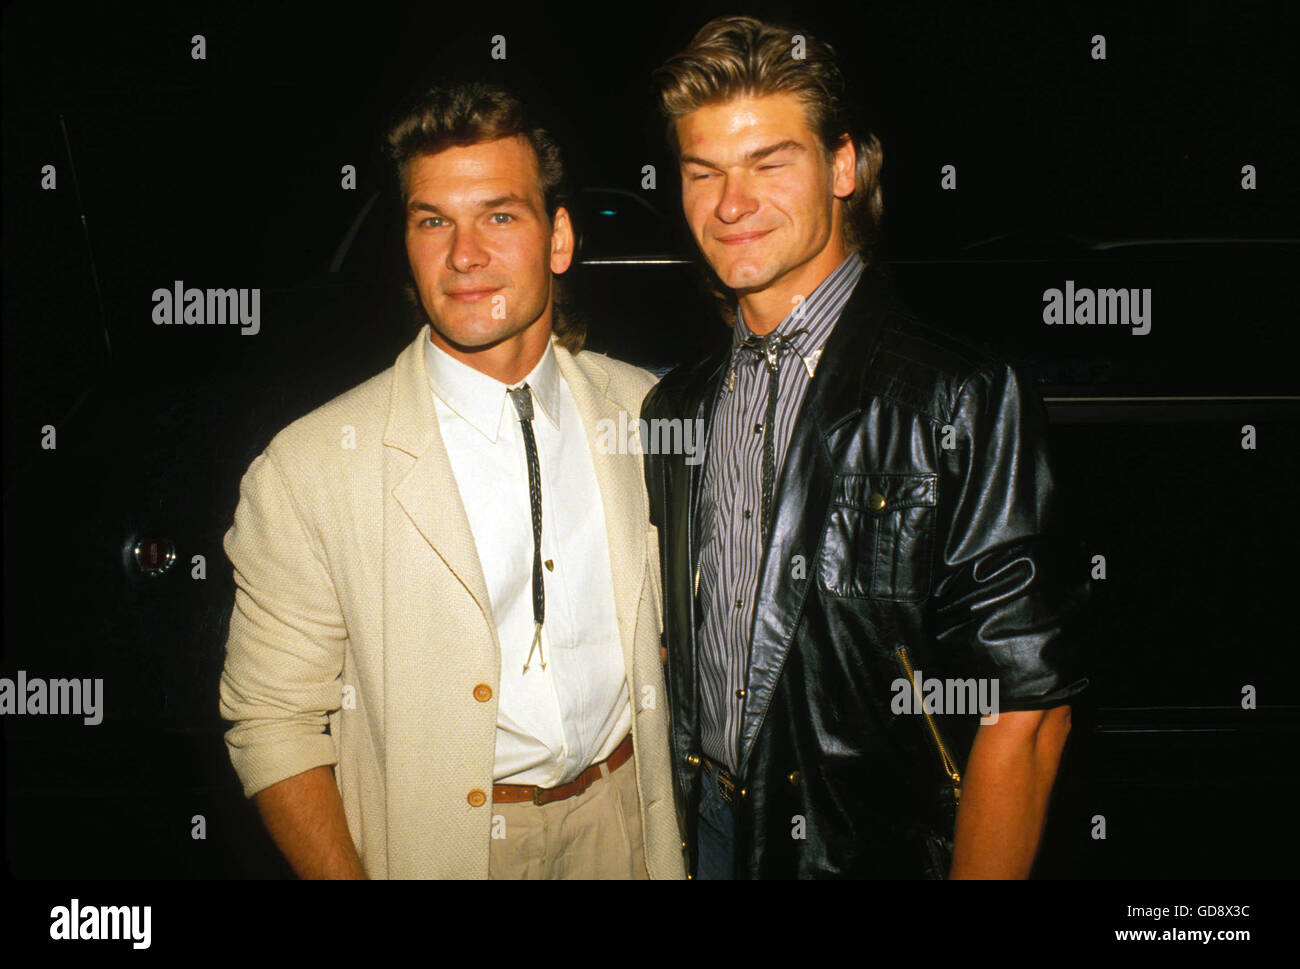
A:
(225, 172)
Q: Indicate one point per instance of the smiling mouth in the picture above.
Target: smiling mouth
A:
(741, 238)
(471, 295)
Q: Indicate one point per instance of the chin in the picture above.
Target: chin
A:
(747, 276)
(470, 335)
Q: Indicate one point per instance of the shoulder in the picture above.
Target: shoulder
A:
(679, 389)
(326, 441)
(624, 374)
(925, 364)
(622, 381)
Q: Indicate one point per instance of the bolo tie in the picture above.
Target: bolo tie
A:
(769, 348)
(521, 397)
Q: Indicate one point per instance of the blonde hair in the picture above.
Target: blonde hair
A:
(732, 57)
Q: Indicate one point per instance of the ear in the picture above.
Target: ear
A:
(561, 241)
(845, 166)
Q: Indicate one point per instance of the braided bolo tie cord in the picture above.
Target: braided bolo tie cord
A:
(769, 347)
(521, 397)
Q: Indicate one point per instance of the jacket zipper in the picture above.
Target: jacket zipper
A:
(949, 765)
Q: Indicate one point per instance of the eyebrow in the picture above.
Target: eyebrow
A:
(758, 154)
(492, 203)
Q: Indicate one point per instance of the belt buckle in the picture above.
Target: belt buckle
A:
(537, 796)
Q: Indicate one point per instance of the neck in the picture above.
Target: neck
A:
(509, 360)
(765, 308)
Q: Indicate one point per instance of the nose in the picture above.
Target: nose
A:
(737, 200)
(467, 252)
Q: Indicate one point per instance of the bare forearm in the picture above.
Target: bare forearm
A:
(304, 815)
(1009, 778)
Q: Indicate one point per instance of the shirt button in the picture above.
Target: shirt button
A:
(476, 798)
(748, 513)
(482, 693)
(739, 603)
(740, 694)
(758, 428)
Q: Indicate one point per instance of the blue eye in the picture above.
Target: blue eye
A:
(501, 215)
(432, 218)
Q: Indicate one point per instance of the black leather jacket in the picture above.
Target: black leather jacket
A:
(913, 509)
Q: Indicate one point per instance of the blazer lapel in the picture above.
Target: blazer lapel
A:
(802, 499)
(428, 492)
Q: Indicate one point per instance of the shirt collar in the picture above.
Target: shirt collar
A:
(817, 314)
(483, 401)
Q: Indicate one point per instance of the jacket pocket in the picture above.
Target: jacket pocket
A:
(879, 541)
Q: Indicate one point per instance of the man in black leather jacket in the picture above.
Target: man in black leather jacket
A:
(870, 517)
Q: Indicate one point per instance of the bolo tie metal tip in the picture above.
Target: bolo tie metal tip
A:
(537, 645)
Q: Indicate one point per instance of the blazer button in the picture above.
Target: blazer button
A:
(744, 792)
(693, 760)
(476, 798)
(482, 693)
(794, 777)
(876, 501)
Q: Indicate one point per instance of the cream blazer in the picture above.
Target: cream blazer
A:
(362, 625)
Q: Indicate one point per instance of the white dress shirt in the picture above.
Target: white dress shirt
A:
(554, 723)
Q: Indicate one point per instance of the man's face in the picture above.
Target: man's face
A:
(757, 189)
(481, 248)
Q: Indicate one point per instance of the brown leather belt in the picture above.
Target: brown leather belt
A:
(514, 793)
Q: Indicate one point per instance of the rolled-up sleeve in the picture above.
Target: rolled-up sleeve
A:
(284, 652)
(1008, 599)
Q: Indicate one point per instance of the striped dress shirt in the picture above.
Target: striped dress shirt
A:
(731, 500)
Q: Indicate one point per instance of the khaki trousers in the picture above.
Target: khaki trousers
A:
(595, 834)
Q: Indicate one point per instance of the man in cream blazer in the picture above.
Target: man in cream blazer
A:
(363, 633)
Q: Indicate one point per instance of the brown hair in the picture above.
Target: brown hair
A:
(459, 114)
(731, 57)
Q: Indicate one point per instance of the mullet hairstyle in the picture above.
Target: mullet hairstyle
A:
(734, 57)
(470, 113)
